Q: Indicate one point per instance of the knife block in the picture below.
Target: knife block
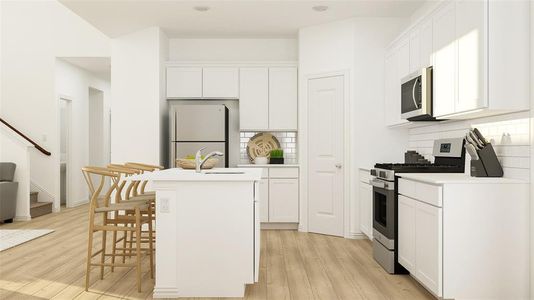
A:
(487, 165)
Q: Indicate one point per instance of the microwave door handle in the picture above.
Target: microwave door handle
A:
(413, 93)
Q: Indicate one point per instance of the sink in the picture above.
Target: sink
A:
(225, 172)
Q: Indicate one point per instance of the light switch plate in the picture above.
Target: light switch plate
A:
(164, 205)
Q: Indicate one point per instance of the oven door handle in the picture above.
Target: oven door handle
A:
(377, 183)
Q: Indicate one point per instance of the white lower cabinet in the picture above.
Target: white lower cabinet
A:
(463, 237)
(420, 241)
(428, 237)
(283, 200)
(264, 200)
(279, 195)
(406, 255)
(366, 209)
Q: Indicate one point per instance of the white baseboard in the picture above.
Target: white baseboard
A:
(22, 218)
(356, 236)
(78, 202)
(279, 226)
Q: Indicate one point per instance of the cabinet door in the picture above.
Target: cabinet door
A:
(257, 232)
(184, 82)
(254, 98)
(444, 47)
(470, 35)
(392, 109)
(220, 82)
(283, 98)
(403, 59)
(428, 253)
(284, 200)
(366, 209)
(406, 230)
(415, 50)
(425, 35)
(264, 200)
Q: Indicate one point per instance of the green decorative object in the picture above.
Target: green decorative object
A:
(276, 157)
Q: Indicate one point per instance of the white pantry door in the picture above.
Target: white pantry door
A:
(325, 148)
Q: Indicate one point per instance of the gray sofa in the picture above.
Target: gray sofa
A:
(8, 192)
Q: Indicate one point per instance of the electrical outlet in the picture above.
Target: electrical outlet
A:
(164, 205)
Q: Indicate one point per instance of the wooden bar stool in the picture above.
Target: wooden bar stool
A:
(113, 220)
(128, 238)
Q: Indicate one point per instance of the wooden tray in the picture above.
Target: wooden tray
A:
(261, 145)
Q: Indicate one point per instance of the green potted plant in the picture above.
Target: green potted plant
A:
(276, 157)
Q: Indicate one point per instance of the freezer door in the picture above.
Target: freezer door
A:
(185, 149)
(200, 123)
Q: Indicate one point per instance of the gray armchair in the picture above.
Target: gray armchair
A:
(8, 192)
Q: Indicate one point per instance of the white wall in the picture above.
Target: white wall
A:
(136, 76)
(233, 49)
(355, 46)
(74, 83)
(33, 34)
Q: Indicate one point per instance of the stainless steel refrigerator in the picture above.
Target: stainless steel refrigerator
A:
(197, 126)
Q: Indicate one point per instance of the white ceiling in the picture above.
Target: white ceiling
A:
(245, 18)
(99, 66)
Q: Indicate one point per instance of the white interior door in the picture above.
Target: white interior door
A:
(325, 148)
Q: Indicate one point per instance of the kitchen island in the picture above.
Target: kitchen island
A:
(208, 231)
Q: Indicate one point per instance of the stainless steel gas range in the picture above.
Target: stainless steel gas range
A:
(449, 155)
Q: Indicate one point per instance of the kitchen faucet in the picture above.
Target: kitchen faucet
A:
(199, 162)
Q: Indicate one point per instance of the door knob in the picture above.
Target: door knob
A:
(338, 166)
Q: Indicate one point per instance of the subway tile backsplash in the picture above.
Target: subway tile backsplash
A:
(509, 134)
(287, 139)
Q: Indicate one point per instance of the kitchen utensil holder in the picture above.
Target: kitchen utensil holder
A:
(487, 165)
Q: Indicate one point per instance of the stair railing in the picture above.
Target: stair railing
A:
(43, 150)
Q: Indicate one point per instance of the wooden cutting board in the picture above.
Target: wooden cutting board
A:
(261, 145)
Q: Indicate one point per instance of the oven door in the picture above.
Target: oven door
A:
(384, 211)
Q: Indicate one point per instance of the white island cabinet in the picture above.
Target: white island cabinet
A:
(463, 237)
(208, 231)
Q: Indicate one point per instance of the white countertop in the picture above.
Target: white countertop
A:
(177, 174)
(268, 166)
(447, 178)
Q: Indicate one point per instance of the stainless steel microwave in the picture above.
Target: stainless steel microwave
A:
(416, 96)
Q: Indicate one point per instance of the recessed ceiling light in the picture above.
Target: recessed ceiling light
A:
(201, 8)
(320, 8)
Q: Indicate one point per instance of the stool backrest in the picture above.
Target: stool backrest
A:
(89, 172)
(142, 168)
(127, 172)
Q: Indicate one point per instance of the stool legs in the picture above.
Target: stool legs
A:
(138, 246)
(150, 242)
(89, 250)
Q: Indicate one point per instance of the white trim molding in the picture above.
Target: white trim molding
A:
(237, 64)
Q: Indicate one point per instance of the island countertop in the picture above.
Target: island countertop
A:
(215, 174)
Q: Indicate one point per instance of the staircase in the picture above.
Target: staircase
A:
(37, 208)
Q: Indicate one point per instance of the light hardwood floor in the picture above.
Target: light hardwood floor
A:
(293, 266)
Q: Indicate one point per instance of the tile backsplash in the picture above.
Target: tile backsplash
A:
(509, 134)
(287, 139)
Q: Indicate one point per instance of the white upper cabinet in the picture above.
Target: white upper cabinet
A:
(425, 44)
(445, 60)
(470, 33)
(404, 59)
(479, 51)
(184, 82)
(254, 98)
(283, 98)
(220, 82)
(415, 50)
(397, 66)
